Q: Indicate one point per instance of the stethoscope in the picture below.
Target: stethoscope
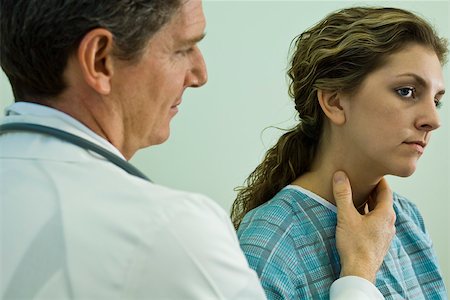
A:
(76, 140)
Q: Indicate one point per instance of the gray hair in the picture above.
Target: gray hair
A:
(37, 37)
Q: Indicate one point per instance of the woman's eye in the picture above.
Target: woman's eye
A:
(406, 92)
(438, 103)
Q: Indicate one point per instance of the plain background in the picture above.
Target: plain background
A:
(223, 129)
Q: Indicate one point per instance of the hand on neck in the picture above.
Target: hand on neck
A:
(319, 181)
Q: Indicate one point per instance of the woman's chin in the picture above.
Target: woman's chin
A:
(405, 172)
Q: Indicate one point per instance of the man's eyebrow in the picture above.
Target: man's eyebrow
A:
(420, 80)
(194, 40)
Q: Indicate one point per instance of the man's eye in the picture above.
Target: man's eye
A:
(406, 92)
(186, 51)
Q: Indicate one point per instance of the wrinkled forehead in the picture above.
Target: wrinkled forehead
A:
(188, 24)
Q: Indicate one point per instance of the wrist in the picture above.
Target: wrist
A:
(359, 271)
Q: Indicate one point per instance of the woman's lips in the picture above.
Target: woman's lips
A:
(418, 146)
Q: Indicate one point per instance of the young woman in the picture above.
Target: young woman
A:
(367, 83)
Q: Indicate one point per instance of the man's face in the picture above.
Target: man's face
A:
(149, 91)
(391, 116)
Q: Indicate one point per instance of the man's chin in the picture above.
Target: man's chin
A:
(158, 139)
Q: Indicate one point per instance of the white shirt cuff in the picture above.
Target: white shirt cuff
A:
(355, 288)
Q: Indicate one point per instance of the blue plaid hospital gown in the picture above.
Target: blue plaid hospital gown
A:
(290, 242)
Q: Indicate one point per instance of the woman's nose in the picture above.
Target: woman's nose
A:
(428, 118)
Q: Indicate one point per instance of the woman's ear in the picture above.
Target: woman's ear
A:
(95, 59)
(330, 102)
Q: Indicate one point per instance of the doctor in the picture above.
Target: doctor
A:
(77, 221)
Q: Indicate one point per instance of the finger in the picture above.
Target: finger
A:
(371, 202)
(382, 202)
(382, 196)
(342, 192)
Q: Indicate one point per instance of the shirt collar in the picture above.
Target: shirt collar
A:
(313, 196)
(44, 115)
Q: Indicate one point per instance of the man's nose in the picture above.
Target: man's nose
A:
(197, 75)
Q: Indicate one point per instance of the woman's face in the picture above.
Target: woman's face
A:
(389, 119)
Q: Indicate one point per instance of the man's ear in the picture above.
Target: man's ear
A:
(95, 59)
(330, 101)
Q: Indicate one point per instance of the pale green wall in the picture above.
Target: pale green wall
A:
(218, 137)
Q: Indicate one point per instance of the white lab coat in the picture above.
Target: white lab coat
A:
(75, 226)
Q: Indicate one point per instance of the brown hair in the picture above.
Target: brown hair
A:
(335, 54)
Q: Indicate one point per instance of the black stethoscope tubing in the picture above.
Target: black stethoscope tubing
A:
(76, 140)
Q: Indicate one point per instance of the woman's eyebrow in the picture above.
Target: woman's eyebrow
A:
(420, 80)
(416, 77)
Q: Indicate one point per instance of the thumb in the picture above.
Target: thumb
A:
(342, 191)
(382, 198)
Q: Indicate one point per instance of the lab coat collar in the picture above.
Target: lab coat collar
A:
(47, 116)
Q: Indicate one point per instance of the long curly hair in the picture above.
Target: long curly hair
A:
(336, 54)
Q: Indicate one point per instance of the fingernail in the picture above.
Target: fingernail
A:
(339, 177)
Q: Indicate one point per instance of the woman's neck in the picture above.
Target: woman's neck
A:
(319, 179)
